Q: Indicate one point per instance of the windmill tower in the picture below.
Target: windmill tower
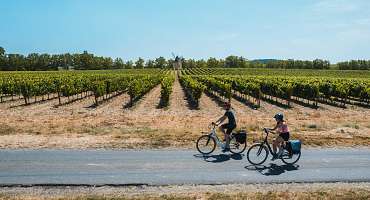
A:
(177, 63)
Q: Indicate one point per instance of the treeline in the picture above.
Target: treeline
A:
(83, 61)
(354, 65)
(240, 62)
(88, 61)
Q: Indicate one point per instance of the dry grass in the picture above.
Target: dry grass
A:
(324, 194)
(144, 126)
(233, 191)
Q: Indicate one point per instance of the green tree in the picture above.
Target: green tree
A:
(129, 65)
(234, 61)
(2, 52)
(150, 64)
(107, 63)
(160, 62)
(118, 63)
(139, 64)
(15, 62)
(213, 63)
(85, 61)
(32, 61)
(2, 57)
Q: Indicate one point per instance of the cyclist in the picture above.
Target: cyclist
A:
(283, 131)
(227, 128)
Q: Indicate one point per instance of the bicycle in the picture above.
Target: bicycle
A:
(206, 143)
(258, 153)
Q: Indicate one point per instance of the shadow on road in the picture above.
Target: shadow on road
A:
(219, 158)
(272, 169)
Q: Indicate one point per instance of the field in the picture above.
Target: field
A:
(155, 108)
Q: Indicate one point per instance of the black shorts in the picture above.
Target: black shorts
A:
(285, 136)
(229, 127)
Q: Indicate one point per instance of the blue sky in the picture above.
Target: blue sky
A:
(300, 29)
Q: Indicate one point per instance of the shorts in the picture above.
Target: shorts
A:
(229, 127)
(285, 136)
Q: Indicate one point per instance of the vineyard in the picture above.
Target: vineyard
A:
(281, 87)
(306, 87)
(132, 108)
(33, 87)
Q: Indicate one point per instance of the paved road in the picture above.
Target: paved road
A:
(101, 167)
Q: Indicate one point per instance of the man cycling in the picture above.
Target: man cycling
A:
(227, 128)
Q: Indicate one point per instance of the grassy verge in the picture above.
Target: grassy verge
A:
(324, 194)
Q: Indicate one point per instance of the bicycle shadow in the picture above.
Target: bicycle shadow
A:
(219, 158)
(272, 169)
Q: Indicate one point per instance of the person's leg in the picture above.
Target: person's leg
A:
(227, 140)
(279, 141)
(222, 130)
(228, 132)
(274, 145)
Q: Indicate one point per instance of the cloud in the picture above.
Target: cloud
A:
(363, 22)
(336, 6)
(225, 37)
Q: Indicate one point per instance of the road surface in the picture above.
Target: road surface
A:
(165, 167)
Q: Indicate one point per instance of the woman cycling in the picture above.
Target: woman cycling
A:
(283, 131)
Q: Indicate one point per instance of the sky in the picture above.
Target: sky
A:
(335, 30)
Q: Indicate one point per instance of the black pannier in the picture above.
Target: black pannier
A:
(241, 136)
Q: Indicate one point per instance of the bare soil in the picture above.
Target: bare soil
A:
(111, 125)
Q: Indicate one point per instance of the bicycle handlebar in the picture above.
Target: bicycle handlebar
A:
(212, 125)
(267, 131)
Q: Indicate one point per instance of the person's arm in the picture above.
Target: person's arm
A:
(219, 121)
(274, 128)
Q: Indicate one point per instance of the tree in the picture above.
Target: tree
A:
(160, 62)
(32, 61)
(129, 65)
(44, 62)
(85, 61)
(139, 64)
(234, 61)
(150, 64)
(15, 62)
(2, 57)
(2, 52)
(189, 63)
(201, 63)
(213, 63)
(118, 63)
(107, 63)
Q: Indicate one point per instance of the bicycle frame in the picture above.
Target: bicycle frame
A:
(266, 143)
(214, 136)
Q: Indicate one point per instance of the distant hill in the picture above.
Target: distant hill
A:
(264, 61)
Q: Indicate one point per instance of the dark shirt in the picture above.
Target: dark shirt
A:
(230, 114)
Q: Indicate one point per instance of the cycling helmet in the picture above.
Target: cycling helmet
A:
(279, 116)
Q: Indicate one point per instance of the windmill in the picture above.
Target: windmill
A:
(177, 63)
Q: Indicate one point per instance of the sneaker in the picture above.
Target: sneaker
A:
(225, 150)
(274, 157)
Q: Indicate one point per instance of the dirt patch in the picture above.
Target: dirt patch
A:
(110, 125)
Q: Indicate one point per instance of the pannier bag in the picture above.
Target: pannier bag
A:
(241, 136)
(296, 146)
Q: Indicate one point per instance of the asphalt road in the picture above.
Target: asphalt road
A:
(160, 167)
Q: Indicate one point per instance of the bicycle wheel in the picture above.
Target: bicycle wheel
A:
(257, 154)
(206, 144)
(236, 147)
(290, 159)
